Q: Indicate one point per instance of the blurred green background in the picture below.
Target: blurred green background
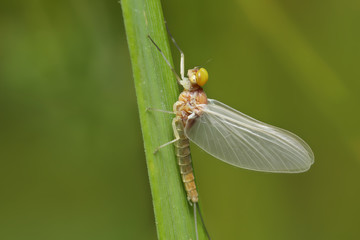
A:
(71, 156)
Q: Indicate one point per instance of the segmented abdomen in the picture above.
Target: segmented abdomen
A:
(182, 148)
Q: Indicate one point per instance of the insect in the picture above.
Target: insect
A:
(227, 134)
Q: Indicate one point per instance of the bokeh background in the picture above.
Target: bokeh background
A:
(71, 156)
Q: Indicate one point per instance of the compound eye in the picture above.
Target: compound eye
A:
(202, 77)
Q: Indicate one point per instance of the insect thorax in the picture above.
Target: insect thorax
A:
(190, 101)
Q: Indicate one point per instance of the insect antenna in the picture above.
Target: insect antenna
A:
(166, 60)
(207, 61)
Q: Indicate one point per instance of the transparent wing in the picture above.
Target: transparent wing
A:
(242, 141)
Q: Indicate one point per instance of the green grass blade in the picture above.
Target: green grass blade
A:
(156, 87)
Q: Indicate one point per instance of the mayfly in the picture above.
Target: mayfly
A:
(227, 134)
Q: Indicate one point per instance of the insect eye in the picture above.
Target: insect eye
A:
(202, 76)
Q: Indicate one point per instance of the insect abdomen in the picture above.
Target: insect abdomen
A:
(182, 148)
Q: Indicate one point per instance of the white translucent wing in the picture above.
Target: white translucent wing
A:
(242, 141)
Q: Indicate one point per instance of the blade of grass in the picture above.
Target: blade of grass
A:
(156, 87)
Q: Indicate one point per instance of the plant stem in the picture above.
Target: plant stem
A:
(156, 87)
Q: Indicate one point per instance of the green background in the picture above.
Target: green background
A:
(71, 156)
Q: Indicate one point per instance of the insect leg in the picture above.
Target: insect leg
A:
(164, 145)
(182, 58)
(159, 110)
(166, 60)
(177, 137)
